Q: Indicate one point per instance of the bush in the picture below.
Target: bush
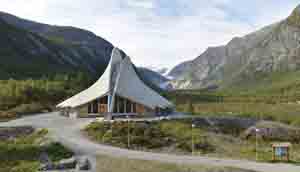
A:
(155, 135)
(28, 108)
(22, 153)
(57, 151)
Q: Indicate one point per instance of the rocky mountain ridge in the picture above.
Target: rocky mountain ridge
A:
(274, 48)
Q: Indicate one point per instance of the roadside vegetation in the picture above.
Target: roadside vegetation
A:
(176, 137)
(149, 136)
(278, 102)
(111, 164)
(21, 153)
(21, 97)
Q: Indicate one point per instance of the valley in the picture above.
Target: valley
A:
(219, 112)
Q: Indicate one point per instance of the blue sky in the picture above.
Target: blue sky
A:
(160, 33)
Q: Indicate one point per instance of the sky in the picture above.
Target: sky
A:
(157, 33)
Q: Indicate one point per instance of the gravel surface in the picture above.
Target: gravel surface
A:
(67, 132)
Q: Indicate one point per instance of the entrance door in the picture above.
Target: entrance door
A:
(95, 106)
(102, 108)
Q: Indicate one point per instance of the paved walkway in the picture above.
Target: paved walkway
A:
(67, 131)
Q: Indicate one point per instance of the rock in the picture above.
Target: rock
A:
(64, 164)
(13, 132)
(67, 164)
(273, 131)
(83, 163)
(44, 158)
(46, 166)
(225, 124)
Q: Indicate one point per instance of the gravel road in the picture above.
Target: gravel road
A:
(67, 132)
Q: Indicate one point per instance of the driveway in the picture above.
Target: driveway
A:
(67, 132)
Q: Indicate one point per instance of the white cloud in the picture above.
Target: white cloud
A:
(157, 32)
(140, 4)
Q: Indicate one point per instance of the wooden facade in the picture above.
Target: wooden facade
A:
(121, 105)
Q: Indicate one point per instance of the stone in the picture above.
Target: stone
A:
(44, 158)
(14, 132)
(83, 163)
(67, 164)
(46, 166)
(273, 131)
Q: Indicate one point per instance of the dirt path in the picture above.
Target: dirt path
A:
(67, 131)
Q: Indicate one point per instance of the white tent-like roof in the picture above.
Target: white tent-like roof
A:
(119, 78)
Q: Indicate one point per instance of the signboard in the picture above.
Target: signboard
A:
(280, 151)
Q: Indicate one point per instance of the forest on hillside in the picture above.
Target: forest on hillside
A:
(37, 95)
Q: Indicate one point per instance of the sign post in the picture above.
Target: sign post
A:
(281, 151)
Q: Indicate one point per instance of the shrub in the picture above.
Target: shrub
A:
(28, 108)
(57, 151)
(153, 135)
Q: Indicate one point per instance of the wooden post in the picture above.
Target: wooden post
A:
(131, 103)
(288, 154)
(125, 101)
(273, 154)
(118, 105)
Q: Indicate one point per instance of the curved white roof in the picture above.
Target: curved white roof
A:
(119, 78)
(130, 86)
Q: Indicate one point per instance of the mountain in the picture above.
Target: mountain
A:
(32, 49)
(245, 60)
(161, 70)
(155, 78)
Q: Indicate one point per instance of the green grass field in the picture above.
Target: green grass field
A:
(275, 98)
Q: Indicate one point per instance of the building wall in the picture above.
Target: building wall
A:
(102, 107)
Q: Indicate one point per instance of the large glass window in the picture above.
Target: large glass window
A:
(128, 106)
(90, 108)
(95, 106)
(134, 107)
(121, 105)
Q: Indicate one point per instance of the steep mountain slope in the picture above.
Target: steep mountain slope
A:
(275, 48)
(155, 78)
(31, 49)
(26, 53)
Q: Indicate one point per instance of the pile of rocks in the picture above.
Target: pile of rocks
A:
(73, 163)
(224, 124)
(14, 132)
(273, 131)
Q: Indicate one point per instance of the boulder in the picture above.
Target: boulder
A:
(67, 164)
(14, 132)
(47, 166)
(83, 163)
(273, 131)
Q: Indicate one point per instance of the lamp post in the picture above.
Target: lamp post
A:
(128, 132)
(256, 143)
(193, 145)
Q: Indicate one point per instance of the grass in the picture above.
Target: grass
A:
(144, 136)
(176, 137)
(111, 164)
(282, 112)
(269, 104)
(22, 153)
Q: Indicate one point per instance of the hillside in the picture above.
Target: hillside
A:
(33, 50)
(249, 59)
(30, 54)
